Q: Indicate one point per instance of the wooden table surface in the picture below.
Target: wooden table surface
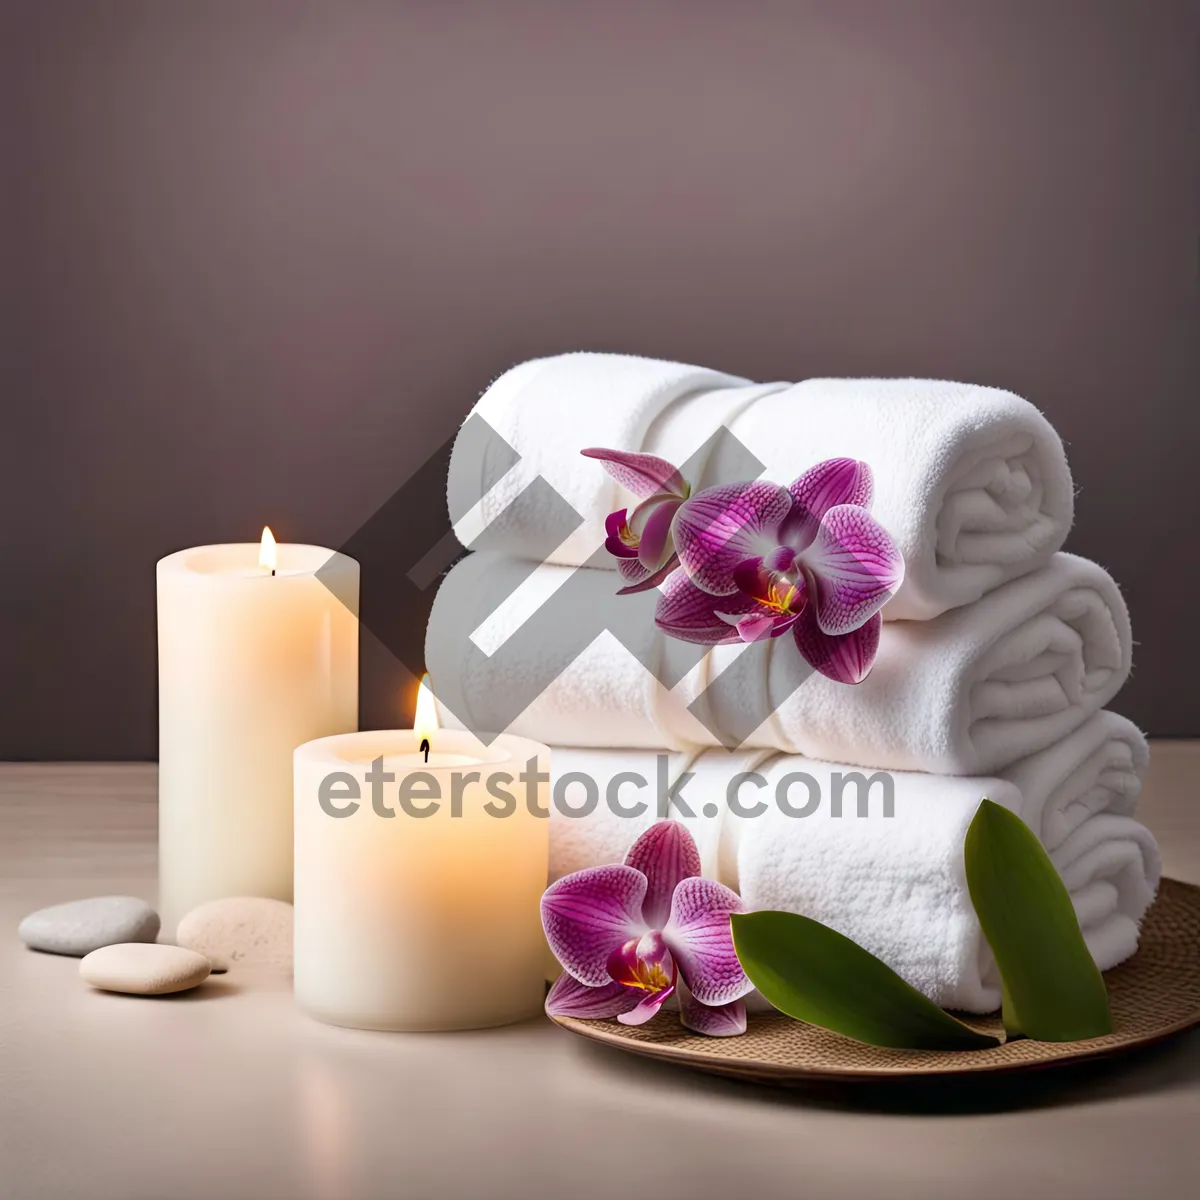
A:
(228, 1091)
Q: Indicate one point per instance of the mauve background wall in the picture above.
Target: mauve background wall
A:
(259, 259)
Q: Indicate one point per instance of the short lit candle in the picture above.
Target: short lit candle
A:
(257, 652)
(419, 870)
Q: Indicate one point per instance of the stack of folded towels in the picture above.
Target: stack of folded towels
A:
(997, 657)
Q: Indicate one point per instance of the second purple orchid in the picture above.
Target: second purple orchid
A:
(746, 561)
(630, 936)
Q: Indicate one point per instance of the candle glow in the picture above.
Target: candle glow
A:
(267, 556)
(425, 720)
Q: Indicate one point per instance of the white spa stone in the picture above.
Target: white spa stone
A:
(144, 970)
(81, 926)
(237, 930)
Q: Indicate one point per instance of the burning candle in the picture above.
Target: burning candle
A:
(257, 652)
(421, 857)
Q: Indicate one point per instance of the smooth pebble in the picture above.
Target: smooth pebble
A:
(81, 926)
(144, 970)
(240, 930)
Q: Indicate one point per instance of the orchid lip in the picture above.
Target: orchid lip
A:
(644, 964)
(648, 1008)
(644, 536)
(774, 589)
(620, 542)
(757, 627)
(618, 549)
(779, 597)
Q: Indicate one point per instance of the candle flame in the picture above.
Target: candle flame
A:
(266, 550)
(425, 723)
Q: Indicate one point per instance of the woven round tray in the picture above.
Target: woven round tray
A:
(1153, 995)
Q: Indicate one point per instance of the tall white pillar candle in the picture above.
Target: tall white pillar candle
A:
(418, 883)
(252, 661)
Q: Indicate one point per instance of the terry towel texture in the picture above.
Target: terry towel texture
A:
(971, 482)
(966, 694)
(896, 885)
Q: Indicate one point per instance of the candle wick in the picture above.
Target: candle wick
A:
(425, 746)
(272, 572)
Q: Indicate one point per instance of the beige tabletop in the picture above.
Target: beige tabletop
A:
(228, 1091)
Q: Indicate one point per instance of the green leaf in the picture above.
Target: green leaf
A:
(1011, 1028)
(1053, 990)
(813, 973)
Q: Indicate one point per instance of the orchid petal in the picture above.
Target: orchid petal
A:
(591, 913)
(655, 545)
(699, 936)
(714, 1020)
(642, 474)
(642, 513)
(856, 566)
(685, 612)
(666, 854)
(720, 526)
(832, 482)
(641, 581)
(822, 487)
(570, 998)
(633, 569)
(845, 658)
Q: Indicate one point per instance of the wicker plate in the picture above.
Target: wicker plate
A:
(1155, 994)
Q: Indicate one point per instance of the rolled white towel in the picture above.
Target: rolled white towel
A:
(897, 885)
(966, 694)
(971, 482)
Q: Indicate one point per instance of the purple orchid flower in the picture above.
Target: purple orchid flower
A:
(642, 541)
(631, 936)
(759, 560)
